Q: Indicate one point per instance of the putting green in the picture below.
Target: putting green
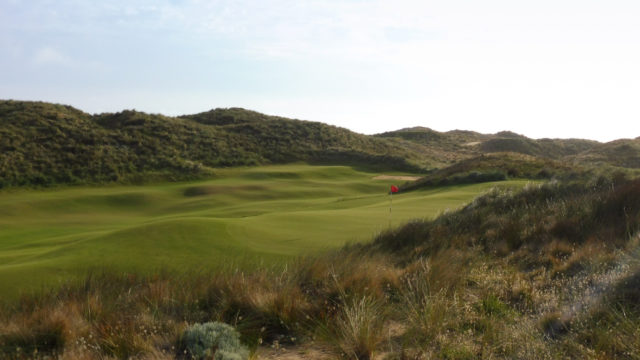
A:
(243, 216)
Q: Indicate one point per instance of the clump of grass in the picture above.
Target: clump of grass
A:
(559, 250)
(432, 305)
(491, 305)
(122, 340)
(554, 324)
(456, 352)
(357, 329)
(611, 328)
(626, 293)
(428, 316)
(38, 336)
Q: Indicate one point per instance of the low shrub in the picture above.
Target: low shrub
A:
(214, 340)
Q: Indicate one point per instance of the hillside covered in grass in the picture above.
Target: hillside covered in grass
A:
(44, 144)
(457, 145)
(544, 264)
(548, 272)
(500, 167)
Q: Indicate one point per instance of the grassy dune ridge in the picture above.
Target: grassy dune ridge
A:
(244, 216)
(44, 144)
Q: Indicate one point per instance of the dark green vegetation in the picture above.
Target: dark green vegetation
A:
(43, 144)
(544, 273)
(498, 167)
(546, 270)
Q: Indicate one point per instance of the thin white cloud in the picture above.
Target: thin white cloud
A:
(532, 67)
(50, 56)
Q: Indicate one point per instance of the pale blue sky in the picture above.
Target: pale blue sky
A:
(563, 68)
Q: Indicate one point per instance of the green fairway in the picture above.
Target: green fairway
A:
(243, 216)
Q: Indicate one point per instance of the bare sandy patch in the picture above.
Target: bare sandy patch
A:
(300, 352)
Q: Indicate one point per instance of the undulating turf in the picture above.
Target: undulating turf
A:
(242, 217)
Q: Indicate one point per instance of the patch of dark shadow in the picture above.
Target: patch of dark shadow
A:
(205, 190)
(554, 325)
(626, 293)
(352, 198)
(244, 214)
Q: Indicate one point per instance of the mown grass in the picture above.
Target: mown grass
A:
(486, 281)
(243, 217)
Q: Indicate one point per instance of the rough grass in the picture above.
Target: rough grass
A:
(496, 167)
(242, 218)
(44, 144)
(486, 281)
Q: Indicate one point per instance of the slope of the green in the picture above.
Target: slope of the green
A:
(244, 216)
(44, 144)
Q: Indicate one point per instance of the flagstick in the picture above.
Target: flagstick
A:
(390, 206)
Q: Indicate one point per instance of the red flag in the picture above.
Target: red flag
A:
(394, 189)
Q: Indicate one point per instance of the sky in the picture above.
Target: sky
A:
(558, 69)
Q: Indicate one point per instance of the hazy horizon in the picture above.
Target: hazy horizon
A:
(547, 69)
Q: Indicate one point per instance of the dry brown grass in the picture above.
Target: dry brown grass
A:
(460, 288)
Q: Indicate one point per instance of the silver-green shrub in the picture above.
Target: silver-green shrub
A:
(214, 339)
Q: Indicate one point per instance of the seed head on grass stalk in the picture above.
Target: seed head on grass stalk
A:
(356, 329)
